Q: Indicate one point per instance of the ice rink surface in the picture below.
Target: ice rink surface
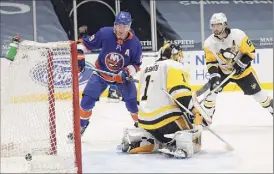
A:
(238, 119)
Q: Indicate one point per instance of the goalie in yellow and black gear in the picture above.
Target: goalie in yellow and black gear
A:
(227, 50)
(159, 115)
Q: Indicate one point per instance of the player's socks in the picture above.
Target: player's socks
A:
(268, 104)
(134, 117)
(84, 125)
(84, 122)
(210, 107)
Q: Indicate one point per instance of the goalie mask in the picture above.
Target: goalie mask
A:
(172, 51)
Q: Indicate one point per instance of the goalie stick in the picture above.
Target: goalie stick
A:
(228, 146)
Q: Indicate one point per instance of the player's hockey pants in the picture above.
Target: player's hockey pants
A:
(97, 85)
(249, 83)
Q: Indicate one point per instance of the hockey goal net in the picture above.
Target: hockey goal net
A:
(39, 108)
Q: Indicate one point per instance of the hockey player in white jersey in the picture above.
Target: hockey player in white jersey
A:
(159, 115)
(227, 50)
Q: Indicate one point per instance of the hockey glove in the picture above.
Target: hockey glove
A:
(81, 61)
(121, 77)
(239, 66)
(215, 80)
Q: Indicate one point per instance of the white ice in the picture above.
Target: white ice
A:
(238, 119)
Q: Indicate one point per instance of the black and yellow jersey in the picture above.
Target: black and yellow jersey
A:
(222, 52)
(156, 108)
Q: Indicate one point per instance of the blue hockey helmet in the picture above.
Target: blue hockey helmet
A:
(123, 18)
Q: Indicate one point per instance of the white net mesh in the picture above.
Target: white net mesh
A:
(37, 110)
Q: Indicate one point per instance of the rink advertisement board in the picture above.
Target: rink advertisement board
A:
(180, 21)
(194, 63)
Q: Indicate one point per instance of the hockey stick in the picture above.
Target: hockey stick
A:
(146, 55)
(203, 89)
(112, 74)
(228, 146)
(217, 87)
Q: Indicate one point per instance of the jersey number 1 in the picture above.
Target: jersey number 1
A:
(147, 83)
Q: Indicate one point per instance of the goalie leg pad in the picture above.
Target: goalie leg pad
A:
(145, 146)
(137, 140)
(184, 142)
(189, 141)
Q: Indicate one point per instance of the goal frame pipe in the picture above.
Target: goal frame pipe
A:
(76, 107)
(75, 103)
